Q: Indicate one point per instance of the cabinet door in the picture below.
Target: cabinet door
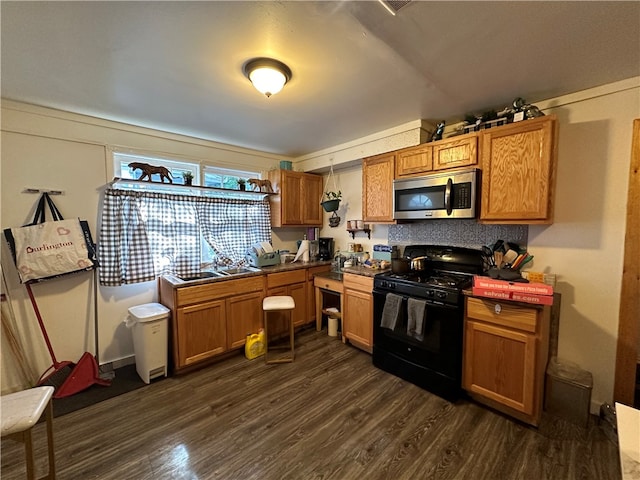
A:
(456, 152)
(299, 294)
(291, 192)
(244, 315)
(500, 364)
(377, 188)
(357, 320)
(414, 160)
(202, 332)
(311, 196)
(518, 172)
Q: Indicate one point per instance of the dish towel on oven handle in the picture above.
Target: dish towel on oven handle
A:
(391, 311)
(415, 317)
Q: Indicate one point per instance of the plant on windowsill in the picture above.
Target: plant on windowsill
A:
(188, 178)
(332, 202)
(242, 184)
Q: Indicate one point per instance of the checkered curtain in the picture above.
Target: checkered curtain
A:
(230, 227)
(145, 234)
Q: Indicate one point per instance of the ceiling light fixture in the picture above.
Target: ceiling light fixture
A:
(267, 75)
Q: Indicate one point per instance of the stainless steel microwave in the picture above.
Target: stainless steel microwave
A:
(438, 195)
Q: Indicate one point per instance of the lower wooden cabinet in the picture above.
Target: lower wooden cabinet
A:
(210, 319)
(506, 348)
(201, 333)
(294, 284)
(244, 315)
(357, 319)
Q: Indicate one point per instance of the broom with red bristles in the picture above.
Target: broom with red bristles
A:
(61, 370)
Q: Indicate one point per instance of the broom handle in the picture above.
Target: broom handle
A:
(95, 314)
(44, 331)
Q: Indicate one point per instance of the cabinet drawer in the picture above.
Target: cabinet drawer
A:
(275, 280)
(220, 289)
(502, 313)
(357, 282)
(328, 284)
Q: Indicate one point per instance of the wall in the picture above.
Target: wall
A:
(49, 149)
(44, 148)
(583, 246)
(52, 149)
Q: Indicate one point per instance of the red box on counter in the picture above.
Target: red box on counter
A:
(514, 296)
(503, 285)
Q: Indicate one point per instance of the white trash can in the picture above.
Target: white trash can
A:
(148, 323)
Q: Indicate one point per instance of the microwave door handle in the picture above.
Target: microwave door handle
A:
(447, 196)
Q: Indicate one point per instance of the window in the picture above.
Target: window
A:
(225, 177)
(213, 176)
(176, 168)
(146, 232)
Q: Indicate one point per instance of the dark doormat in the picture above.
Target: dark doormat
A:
(126, 379)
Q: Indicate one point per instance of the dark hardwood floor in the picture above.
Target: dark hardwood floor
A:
(329, 415)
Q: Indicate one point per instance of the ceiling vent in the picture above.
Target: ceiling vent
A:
(393, 6)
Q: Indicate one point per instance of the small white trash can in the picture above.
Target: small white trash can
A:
(148, 323)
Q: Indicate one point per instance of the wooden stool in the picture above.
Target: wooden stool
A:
(275, 304)
(20, 412)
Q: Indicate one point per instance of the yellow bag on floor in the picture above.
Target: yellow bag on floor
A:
(254, 345)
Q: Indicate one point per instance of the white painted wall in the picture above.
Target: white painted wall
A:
(49, 149)
(584, 245)
(45, 148)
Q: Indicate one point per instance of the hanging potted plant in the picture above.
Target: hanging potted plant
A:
(332, 201)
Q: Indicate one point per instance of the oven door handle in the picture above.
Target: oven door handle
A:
(447, 196)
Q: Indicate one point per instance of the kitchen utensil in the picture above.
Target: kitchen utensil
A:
(499, 246)
(509, 257)
(400, 265)
(419, 264)
(487, 254)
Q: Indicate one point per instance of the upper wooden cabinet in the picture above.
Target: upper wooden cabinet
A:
(298, 202)
(414, 160)
(460, 151)
(377, 188)
(518, 164)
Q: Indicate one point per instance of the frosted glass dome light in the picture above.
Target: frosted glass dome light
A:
(268, 76)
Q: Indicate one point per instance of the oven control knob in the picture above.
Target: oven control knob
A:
(442, 295)
(430, 293)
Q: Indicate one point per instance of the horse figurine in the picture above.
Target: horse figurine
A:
(148, 170)
(260, 184)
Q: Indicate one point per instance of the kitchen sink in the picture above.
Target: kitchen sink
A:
(237, 270)
(201, 275)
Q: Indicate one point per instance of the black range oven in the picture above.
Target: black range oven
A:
(418, 318)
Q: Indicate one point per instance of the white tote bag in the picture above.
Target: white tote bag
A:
(44, 249)
(49, 249)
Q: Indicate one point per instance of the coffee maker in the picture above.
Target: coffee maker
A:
(325, 248)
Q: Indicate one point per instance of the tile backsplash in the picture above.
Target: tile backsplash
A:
(458, 233)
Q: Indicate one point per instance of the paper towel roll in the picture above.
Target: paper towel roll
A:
(303, 251)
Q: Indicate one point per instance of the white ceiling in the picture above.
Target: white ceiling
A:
(357, 70)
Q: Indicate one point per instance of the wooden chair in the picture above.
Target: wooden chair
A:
(278, 303)
(20, 412)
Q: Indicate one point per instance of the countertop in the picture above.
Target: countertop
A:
(282, 267)
(365, 271)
